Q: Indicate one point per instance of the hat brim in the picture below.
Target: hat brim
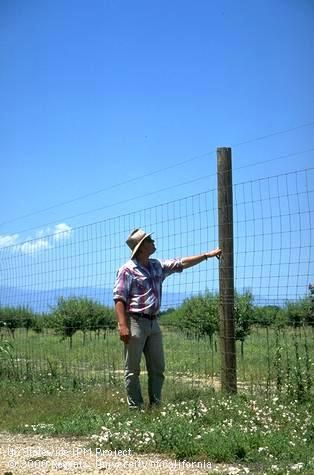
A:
(139, 244)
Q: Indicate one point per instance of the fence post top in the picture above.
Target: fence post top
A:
(223, 154)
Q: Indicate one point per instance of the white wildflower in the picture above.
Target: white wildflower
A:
(275, 468)
(234, 470)
(297, 466)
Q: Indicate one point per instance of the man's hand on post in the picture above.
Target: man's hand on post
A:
(194, 260)
(214, 253)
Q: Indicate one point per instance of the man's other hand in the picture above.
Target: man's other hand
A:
(124, 333)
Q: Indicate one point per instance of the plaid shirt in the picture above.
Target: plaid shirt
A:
(141, 288)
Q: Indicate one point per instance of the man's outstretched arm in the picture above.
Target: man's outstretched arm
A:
(193, 260)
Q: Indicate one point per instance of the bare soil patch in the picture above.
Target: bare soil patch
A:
(37, 454)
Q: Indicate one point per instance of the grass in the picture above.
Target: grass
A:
(271, 435)
(100, 359)
(267, 428)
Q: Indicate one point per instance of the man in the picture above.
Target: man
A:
(137, 297)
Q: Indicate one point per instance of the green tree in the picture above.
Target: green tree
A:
(171, 318)
(10, 318)
(310, 317)
(198, 315)
(244, 316)
(26, 316)
(281, 318)
(101, 317)
(297, 313)
(70, 316)
(38, 323)
(48, 319)
(79, 313)
(266, 316)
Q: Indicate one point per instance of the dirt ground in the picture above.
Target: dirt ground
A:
(35, 454)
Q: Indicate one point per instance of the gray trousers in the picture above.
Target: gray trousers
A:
(145, 338)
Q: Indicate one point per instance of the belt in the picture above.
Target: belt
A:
(148, 316)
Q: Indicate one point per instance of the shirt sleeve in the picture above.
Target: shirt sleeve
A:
(170, 266)
(122, 285)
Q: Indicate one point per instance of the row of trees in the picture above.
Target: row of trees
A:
(197, 315)
(69, 316)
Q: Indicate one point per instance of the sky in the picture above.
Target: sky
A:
(108, 107)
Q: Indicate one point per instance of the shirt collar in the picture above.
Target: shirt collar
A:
(136, 264)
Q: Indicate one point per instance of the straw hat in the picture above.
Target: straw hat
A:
(135, 240)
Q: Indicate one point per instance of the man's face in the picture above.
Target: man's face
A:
(148, 246)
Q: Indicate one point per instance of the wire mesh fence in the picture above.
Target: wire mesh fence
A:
(273, 230)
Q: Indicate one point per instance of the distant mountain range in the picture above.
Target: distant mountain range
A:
(43, 300)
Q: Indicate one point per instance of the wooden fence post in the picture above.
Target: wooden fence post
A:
(226, 272)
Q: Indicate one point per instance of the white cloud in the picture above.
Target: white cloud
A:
(30, 247)
(44, 239)
(61, 231)
(43, 232)
(9, 240)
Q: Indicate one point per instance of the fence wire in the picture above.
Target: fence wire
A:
(273, 236)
